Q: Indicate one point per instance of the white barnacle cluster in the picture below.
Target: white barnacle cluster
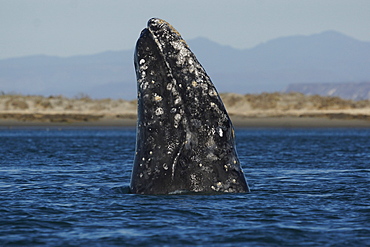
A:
(157, 97)
(220, 132)
(217, 131)
(217, 187)
(171, 148)
(196, 182)
(183, 52)
(234, 165)
(204, 86)
(177, 119)
(173, 110)
(212, 92)
(159, 111)
(165, 166)
(184, 58)
(226, 186)
(171, 87)
(177, 101)
(199, 82)
(191, 65)
(215, 107)
(143, 66)
(229, 166)
(144, 85)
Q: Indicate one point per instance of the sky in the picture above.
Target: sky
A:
(80, 27)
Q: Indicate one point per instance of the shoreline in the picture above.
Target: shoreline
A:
(297, 122)
(265, 110)
(238, 122)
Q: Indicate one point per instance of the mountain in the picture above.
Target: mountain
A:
(108, 74)
(271, 66)
(354, 91)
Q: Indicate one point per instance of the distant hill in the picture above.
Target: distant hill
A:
(104, 75)
(354, 91)
(325, 57)
(272, 66)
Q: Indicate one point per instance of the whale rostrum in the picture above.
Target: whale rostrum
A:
(185, 140)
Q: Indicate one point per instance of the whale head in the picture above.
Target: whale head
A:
(185, 138)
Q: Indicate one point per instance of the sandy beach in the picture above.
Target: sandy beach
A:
(267, 110)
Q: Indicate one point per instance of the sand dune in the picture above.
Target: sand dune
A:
(59, 109)
(62, 109)
(293, 104)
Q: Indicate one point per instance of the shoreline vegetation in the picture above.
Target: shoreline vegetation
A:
(251, 110)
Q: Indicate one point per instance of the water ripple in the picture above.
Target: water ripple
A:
(70, 188)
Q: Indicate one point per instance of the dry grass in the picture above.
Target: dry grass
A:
(83, 108)
(292, 101)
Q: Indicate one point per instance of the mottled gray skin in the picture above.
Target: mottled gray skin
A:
(185, 139)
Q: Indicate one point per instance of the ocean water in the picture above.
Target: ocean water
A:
(69, 187)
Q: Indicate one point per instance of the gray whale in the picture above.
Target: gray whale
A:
(185, 139)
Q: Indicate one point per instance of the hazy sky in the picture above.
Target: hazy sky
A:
(66, 28)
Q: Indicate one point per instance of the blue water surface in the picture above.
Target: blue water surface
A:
(69, 187)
